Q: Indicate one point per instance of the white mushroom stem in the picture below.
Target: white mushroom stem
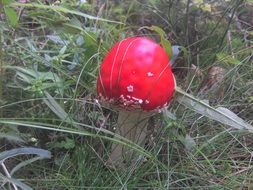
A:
(133, 126)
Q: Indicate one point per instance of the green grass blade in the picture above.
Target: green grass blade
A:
(12, 16)
(62, 10)
(114, 137)
(55, 107)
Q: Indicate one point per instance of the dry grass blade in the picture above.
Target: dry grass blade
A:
(220, 114)
(15, 152)
(18, 151)
(16, 182)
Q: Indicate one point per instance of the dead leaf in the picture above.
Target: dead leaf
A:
(220, 114)
(197, 70)
(213, 81)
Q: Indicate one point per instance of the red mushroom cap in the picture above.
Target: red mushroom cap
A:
(136, 74)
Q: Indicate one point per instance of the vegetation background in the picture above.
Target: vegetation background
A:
(50, 52)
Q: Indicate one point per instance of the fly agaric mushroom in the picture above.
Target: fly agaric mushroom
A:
(136, 77)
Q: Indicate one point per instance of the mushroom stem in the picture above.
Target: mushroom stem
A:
(133, 126)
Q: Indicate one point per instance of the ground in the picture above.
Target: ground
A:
(50, 53)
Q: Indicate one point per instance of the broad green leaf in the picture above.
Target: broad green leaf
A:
(227, 59)
(6, 2)
(24, 77)
(29, 79)
(197, 1)
(62, 50)
(11, 15)
(25, 71)
(57, 39)
(158, 30)
(250, 32)
(31, 46)
(206, 7)
(163, 41)
(28, 75)
(56, 108)
(66, 144)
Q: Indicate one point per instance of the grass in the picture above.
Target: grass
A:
(49, 64)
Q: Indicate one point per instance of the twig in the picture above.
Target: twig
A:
(230, 43)
(1, 70)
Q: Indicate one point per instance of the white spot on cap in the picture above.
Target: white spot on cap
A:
(111, 100)
(165, 105)
(140, 101)
(150, 74)
(130, 88)
(146, 101)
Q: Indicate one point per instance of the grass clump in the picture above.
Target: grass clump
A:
(49, 57)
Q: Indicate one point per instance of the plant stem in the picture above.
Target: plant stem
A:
(1, 71)
(133, 126)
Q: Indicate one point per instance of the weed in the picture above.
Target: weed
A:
(50, 53)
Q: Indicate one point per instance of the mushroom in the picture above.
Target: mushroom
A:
(136, 77)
